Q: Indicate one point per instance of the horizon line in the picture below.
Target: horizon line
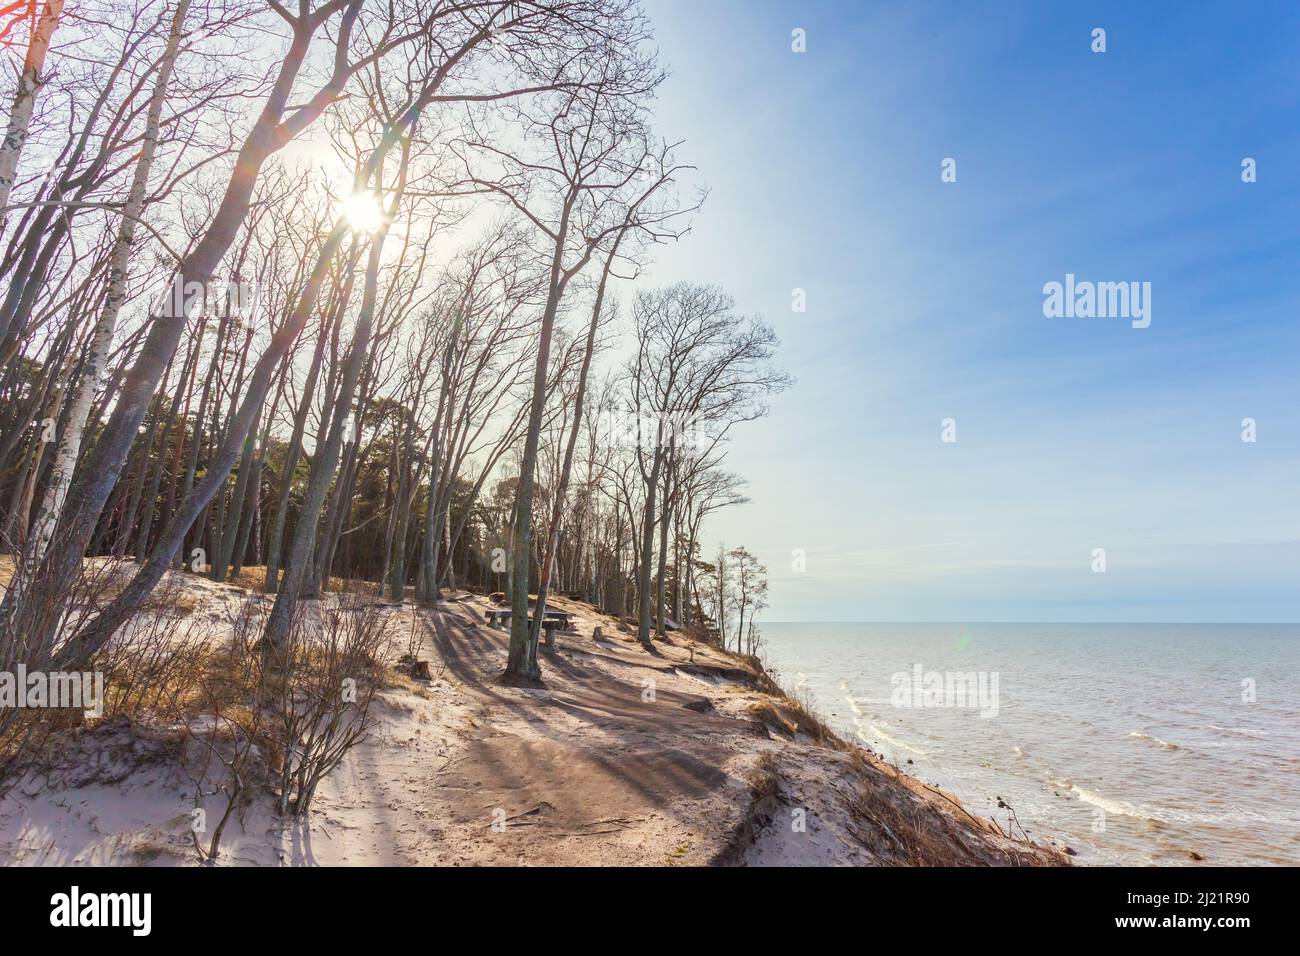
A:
(964, 621)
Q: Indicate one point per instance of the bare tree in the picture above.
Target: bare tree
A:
(20, 114)
(698, 370)
(574, 191)
(750, 595)
(275, 126)
(644, 221)
(97, 360)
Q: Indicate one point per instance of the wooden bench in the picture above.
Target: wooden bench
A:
(500, 616)
(564, 617)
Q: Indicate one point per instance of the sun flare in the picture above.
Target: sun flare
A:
(481, 433)
(363, 212)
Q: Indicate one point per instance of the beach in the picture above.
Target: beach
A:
(685, 756)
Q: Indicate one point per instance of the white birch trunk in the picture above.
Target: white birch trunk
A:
(20, 117)
(69, 449)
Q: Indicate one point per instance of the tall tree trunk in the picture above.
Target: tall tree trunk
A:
(93, 636)
(397, 573)
(220, 532)
(679, 601)
(234, 514)
(69, 449)
(182, 436)
(20, 115)
(327, 455)
(340, 506)
(433, 515)
(248, 523)
(521, 664)
(644, 567)
(275, 538)
(88, 493)
(661, 608)
(661, 628)
(390, 509)
(557, 506)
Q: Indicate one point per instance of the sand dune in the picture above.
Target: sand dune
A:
(684, 756)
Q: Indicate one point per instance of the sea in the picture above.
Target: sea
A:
(1149, 744)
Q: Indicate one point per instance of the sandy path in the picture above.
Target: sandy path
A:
(625, 757)
(602, 763)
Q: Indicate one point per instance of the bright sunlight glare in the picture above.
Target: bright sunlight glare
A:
(363, 212)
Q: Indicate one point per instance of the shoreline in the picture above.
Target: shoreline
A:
(1087, 750)
(685, 756)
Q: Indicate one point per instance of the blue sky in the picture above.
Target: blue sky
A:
(925, 300)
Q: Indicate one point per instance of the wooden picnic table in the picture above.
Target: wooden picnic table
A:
(553, 618)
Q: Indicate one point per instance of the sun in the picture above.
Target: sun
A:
(363, 212)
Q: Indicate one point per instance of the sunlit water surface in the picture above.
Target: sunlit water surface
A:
(1130, 743)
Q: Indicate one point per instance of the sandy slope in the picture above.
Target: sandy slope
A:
(625, 758)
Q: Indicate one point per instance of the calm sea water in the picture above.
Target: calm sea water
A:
(1131, 743)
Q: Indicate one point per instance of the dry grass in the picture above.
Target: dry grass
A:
(103, 578)
(789, 717)
(147, 682)
(31, 736)
(911, 824)
(175, 603)
(774, 718)
(765, 781)
(902, 820)
(252, 577)
(786, 714)
(392, 678)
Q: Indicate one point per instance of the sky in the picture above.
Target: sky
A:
(925, 301)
